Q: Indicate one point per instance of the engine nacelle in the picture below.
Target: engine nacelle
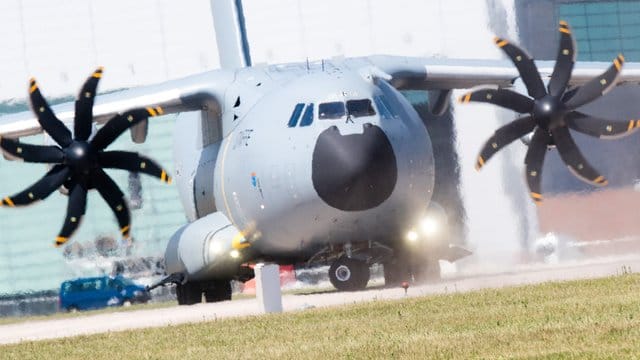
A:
(206, 249)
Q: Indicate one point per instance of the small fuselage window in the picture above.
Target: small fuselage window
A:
(360, 108)
(331, 110)
(295, 116)
(307, 117)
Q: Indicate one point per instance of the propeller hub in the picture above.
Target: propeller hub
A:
(80, 156)
(546, 109)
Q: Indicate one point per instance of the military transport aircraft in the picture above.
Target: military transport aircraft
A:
(305, 162)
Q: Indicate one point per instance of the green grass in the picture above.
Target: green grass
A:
(578, 319)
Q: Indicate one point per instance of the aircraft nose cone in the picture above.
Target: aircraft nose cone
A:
(354, 172)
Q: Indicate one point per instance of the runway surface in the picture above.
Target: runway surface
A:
(467, 280)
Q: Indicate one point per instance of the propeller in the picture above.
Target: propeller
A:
(78, 161)
(551, 112)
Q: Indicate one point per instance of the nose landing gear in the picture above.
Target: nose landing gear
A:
(349, 274)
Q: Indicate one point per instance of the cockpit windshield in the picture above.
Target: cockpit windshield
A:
(359, 108)
(331, 110)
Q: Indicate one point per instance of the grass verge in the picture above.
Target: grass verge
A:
(577, 319)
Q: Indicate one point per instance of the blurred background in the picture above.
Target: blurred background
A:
(149, 41)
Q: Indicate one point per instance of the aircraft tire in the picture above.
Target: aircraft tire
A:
(218, 291)
(348, 274)
(188, 294)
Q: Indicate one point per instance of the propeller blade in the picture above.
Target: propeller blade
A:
(502, 97)
(39, 190)
(76, 207)
(47, 119)
(133, 162)
(503, 137)
(112, 194)
(574, 159)
(600, 128)
(526, 67)
(597, 86)
(534, 161)
(32, 153)
(116, 126)
(84, 106)
(564, 61)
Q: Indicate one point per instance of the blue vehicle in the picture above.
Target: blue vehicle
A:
(100, 292)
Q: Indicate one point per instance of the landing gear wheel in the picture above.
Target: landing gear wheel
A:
(188, 294)
(348, 274)
(218, 291)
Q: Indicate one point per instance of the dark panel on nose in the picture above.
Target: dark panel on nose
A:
(354, 172)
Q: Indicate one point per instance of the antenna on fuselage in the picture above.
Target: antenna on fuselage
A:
(231, 34)
(308, 67)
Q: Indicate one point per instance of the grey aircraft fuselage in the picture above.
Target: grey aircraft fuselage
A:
(307, 155)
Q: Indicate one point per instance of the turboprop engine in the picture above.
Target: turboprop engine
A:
(210, 245)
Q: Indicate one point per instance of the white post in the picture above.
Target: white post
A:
(268, 287)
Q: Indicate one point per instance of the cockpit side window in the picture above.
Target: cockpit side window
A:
(383, 107)
(359, 108)
(307, 117)
(295, 116)
(331, 110)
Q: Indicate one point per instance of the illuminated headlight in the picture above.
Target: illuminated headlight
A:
(234, 254)
(412, 236)
(429, 226)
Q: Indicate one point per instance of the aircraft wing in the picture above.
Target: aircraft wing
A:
(198, 92)
(413, 73)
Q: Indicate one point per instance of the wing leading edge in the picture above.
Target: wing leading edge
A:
(198, 92)
(414, 73)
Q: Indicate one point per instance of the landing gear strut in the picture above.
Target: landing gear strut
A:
(348, 274)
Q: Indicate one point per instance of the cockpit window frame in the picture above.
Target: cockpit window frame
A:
(369, 112)
(383, 107)
(307, 116)
(295, 115)
(333, 112)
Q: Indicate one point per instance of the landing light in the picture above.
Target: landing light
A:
(429, 226)
(412, 236)
(234, 254)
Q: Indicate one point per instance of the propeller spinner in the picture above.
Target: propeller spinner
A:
(78, 162)
(551, 112)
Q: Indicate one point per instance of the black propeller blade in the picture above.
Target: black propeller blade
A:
(79, 162)
(552, 112)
